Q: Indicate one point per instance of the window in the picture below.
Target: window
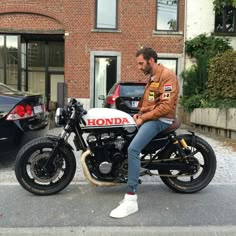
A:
(170, 63)
(225, 21)
(167, 15)
(106, 14)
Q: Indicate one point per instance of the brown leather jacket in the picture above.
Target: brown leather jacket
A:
(160, 96)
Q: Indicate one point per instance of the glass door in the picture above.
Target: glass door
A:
(105, 75)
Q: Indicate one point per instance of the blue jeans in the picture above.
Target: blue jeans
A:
(145, 134)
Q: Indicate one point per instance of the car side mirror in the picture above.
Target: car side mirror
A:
(101, 97)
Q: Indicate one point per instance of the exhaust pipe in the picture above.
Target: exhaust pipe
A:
(88, 175)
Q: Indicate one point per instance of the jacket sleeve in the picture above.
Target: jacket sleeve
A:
(167, 100)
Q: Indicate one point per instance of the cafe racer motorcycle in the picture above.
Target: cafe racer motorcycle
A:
(185, 163)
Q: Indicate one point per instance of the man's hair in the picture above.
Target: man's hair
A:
(147, 53)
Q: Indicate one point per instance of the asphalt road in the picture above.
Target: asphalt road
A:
(82, 208)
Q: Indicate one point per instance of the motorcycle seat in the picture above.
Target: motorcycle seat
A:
(174, 126)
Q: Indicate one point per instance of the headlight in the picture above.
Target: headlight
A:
(60, 117)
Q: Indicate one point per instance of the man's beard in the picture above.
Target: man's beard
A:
(147, 70)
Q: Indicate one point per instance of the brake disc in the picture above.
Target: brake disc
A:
(37, 171)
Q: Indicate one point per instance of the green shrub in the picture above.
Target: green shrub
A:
(222, 76)
(198, 90)
(190, 103)
(207, 46)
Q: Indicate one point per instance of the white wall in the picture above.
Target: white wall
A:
(200, 18)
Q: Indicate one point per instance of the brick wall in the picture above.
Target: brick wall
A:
(136, 22)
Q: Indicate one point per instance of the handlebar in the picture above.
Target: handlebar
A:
(77, 106)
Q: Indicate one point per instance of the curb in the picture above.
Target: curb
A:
(136, 231)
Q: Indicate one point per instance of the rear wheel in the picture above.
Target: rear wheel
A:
(30, 172)
(199, 154)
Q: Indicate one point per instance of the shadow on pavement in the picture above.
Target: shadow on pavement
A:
(8, 156)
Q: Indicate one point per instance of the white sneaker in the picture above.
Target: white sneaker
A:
(128, 206)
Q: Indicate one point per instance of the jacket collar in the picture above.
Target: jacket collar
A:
(158, 72)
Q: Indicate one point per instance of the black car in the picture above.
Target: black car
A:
(22, 117)
(124, 96)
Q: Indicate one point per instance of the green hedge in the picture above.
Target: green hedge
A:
(222, 76)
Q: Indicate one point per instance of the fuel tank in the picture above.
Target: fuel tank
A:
(108, 118)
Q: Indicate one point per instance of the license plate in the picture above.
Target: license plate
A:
(38, 109)
(134, 103)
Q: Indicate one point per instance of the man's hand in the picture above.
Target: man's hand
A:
(137, 119)
(135, 116)
(139, 122)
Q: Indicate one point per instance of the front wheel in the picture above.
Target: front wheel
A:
(202, 155)
(30, 171)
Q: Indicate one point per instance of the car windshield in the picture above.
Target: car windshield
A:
(132, 90)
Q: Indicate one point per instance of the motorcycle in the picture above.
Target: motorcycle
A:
(185, 162)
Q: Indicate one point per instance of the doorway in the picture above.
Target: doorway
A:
(53, 80)
(105, 75)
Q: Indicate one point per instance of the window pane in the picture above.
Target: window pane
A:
(12, 50)
(169, 63)
(12, 42)
(225, 22)
(106, 14)
(12, 76)
(56, 54)
(36, 55)
(12, 61)
(229, 20)
(36, 82)
(1, 50)
(1, 40)
(167, 14)
(1, 76)
(219, 23)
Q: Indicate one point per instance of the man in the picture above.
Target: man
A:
(156, 112)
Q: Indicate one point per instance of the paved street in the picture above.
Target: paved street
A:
(84, 206)
(82, 209)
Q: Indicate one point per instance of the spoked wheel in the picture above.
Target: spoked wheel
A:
(201, 156)
(32, 175)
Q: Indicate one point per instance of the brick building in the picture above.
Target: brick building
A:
(89, 44)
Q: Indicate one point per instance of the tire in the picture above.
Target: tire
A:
(206, 158)
(33, 155)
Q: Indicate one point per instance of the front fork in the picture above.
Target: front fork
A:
(59, 141)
